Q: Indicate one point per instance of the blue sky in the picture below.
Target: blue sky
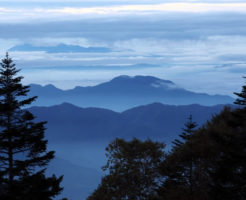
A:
(200, 45)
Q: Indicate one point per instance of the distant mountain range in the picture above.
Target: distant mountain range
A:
(61, 48)
(69, 123)
(80, 135)
(125, 92)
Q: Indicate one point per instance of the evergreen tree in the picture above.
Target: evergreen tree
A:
(218, 160)
(188, 130)
(225, 164)
(178, 168)
(133, 171)
(242, 96)
(23, 154)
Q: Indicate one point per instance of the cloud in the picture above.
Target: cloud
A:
(185, 47)
(169, 26)
(192, 64)
(212, 51)
(118, 1)
(50, 14)
(149, 8)
(197, 78)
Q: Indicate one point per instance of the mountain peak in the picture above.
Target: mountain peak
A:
(124, 92)
(50, 86)
(122, 77)
(143, 80)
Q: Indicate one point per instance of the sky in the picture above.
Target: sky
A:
(199, 45)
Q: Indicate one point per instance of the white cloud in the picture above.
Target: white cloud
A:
(166, 7)
(22, 14)
(123, 1)
(213, 51)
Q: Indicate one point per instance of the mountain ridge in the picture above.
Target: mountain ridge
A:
(125, 92)
(98, 123)
(60, 48)
(79, 135)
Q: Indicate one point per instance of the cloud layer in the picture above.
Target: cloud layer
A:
(198, 44)
(22, 14)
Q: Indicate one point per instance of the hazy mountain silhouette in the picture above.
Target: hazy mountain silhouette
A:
(78, 181)
(61, 48)
(79, 136)
(125, 92)
(69, 123)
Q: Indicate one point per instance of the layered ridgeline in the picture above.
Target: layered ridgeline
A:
(80, 135)
(124, 107)
(125, 92)
(69, 123)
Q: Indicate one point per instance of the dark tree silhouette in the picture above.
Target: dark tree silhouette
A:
(178, 168)
(218, 157)
(206, 163)
(23, 154)
(133, 171)
(221, 146)
(241, 100)
(188, 131)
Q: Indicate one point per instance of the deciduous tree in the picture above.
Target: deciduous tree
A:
(133, 171)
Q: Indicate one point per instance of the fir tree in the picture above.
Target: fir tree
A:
(211, 164)
(188, 130)
(23, 154)
(242, 96)
(178, 168)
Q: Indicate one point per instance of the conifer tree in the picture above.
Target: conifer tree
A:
(188, 130)
(178, 168)
(23, 154)
(242, 96)
(220, 146)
